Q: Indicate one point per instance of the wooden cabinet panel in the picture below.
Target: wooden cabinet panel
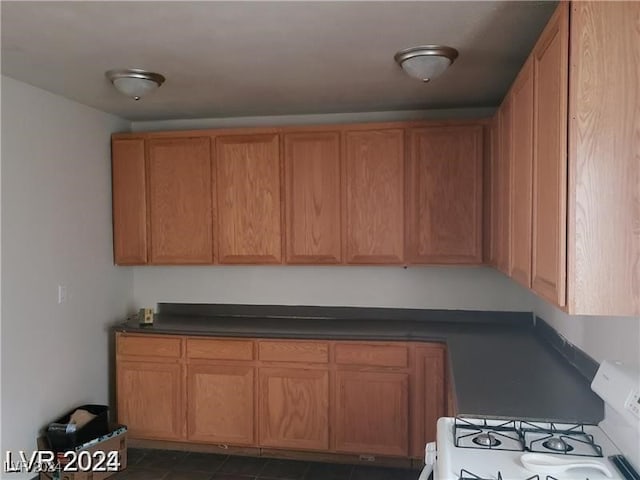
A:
(550, 159)
(313, 197)
(150, 400)
(249, 207)
(294, 408)
(169, 347)
(370, 354)
(444, 197)
(429, 397)
(180, 210)
(374, 196)
(219, 349)
(522, 177)
(492, 195)
(604, 159)
(503, 185)
(220, 404)
(293, 351)
(372, 413)
(129, 202)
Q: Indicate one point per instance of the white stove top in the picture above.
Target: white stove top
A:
(460, 457)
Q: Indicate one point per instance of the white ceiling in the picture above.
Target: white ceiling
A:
(225, 59)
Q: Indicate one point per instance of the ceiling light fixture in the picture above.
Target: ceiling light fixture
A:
(133, 82)
(426, 61)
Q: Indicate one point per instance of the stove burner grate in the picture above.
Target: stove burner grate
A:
(500, 435)
(467, 475)
(573, 440)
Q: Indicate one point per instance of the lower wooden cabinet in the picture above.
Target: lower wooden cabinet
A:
(348, 397)
(372, 413)
(220, 404)
(294, 408)
(150, 399)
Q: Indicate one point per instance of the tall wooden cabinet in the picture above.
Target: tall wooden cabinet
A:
(180, 205)
(444, 194)
(550, 66)
(313, 197)
(249, 198)
(129, 202)
(521, 181)
(374, 196)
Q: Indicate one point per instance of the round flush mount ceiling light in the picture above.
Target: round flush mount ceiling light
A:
(426, 61)
(133, 82)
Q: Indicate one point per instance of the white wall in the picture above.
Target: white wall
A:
(56, 229)
(415, 287)
(610, 338)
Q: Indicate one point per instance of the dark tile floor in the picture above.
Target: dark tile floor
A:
(175, 465)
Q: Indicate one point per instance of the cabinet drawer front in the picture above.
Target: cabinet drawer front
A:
(219, 349)
(149, 347)
(377, 355)
(282, 351)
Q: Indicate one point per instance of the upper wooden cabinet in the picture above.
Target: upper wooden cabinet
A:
(550, 60)
(313, 197)
(374, 196)
(180, 204)
(129, 202)
(503, 172)
(521, 202)
(248, 194)
(444, 195)
(604, 159)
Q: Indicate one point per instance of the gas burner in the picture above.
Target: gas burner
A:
(558, 445)
(486, 440)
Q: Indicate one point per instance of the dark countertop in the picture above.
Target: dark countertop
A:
(498, 365)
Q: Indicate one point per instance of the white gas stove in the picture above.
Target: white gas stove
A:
(508, 449)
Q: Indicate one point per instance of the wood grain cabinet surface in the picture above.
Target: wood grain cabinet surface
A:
(374, 196)
(503, 185)
(294, 408)
(329, 397)
(313, 197)
(444, 197)
(550, 64)
(180, 204)
(249, 198)
(521, 181)
(129, 201)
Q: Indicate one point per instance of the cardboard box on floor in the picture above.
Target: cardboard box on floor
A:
(116, 443)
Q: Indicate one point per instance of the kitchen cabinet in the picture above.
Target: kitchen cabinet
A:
(550, 64)
(149, 383)
(444, 195)
(220, 403)
(341, 397)
(374, 196)
(313, 197)
(180, 203)
(491, 198)
(249, 198)
(503, 172)
(294, 408)
(129, 202)
(521, 181)
(372, 412)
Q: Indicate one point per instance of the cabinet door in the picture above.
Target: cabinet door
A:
(550, 159)
(313, 205)
(180, 210)
(220, 404)
(294, 408)
(249, 210)
(129, 202)
(429, 396)
(151, 400)
(374, 196)
(492, 194)
(503, 184)
(444, 197)
(372, 412)
(522, 177)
